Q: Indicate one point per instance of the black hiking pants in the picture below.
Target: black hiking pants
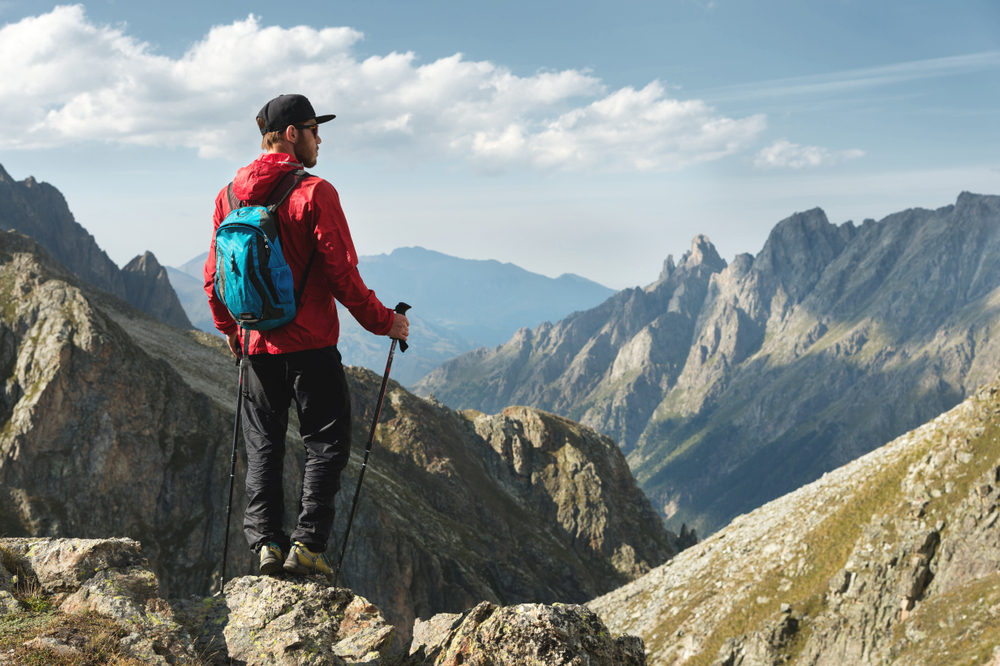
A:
(315, 380)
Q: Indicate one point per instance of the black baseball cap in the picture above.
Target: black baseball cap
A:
(285, 110)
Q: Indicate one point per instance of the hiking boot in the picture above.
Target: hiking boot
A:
(304, 562)
(271, 558)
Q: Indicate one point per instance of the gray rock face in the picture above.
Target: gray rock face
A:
(893, 558)
(728, 386)
(98, 436)
(116, 423)
(147, 287)
(286, 621)
(40, 211)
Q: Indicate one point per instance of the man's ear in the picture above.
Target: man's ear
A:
(291, 134)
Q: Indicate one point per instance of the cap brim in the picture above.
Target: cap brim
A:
(325, 119)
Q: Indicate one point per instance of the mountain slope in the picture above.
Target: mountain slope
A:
(891, 559)
(115, 423)
(831, 340)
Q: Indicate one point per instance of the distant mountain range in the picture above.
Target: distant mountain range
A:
(730, 385)
(458, 305)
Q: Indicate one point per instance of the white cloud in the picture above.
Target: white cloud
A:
(838, 83)
(786, 154)
(68, 80)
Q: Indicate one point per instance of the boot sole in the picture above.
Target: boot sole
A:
(307, 571)
(271, 568)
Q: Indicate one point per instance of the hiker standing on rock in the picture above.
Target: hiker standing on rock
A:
(297, 360)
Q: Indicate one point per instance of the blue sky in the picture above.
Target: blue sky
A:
(562, 137)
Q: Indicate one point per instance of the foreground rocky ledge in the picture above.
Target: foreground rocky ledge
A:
(283, 620)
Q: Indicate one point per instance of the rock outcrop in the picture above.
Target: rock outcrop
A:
(147, 287)
(287, 620)
(518, 635)
(40, 211)
(113, 422)
(98, 436)
(891, 559)
(730, 385)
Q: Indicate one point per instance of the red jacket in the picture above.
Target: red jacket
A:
(311, 217)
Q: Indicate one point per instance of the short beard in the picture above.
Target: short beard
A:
(302, 148)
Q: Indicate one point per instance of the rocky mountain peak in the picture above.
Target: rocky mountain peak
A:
(40, 211)
(798, 249)
(147, 287)
(703, 256)
(145, 263)
(701, 260)
(668, 268)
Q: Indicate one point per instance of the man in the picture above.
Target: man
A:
(298, 361)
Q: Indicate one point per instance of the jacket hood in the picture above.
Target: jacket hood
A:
(254, 182)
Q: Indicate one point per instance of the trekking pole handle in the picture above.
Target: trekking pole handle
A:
(401, 308)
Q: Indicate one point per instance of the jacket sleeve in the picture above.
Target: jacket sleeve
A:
(220, 314)
(339, 261)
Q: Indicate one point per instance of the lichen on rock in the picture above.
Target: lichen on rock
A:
(294, 621)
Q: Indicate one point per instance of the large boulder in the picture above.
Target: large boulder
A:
(524, 634)
(291, 621)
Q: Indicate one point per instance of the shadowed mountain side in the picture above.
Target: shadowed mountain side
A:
(115, 423)
(148, 287)
(99, 437)
(40, 211)
(832, 340)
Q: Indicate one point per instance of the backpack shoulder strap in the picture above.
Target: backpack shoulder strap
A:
(284, 187)
(234, 203)
(288, 182)
(277, 196)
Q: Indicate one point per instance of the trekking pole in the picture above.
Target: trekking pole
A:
(232, 465)
(401, 308)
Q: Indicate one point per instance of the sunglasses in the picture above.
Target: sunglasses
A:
(314, 127)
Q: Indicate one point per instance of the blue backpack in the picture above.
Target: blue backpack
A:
(251, 275)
